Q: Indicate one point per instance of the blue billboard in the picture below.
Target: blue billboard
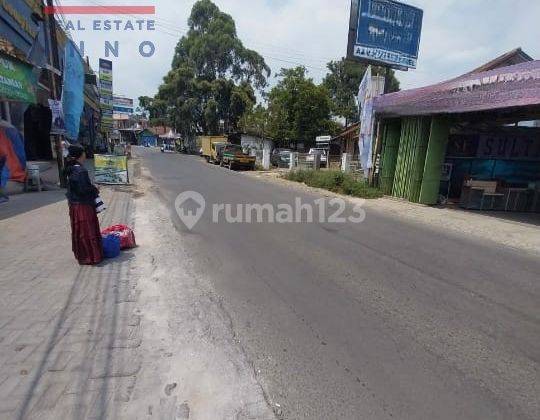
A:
(385, 32)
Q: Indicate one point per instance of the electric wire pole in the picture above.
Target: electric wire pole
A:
(56, 86)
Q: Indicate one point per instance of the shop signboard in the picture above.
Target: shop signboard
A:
(520, 144)
(111, 169)
(517, 146)
(17, 80)
(385, 32)
(106, 94)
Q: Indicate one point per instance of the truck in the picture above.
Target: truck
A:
(233, 156)
(210, 148)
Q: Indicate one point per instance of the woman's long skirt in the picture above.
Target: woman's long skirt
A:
(85, 234)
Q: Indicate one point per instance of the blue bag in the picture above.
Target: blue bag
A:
(111, 246)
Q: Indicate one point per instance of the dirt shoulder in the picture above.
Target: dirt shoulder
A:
(482, 226)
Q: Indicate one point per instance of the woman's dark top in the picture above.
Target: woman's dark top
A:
(80, 189)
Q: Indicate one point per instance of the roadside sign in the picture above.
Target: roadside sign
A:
(17, 80)
(323, 139)
(111, 169)
(385, 32)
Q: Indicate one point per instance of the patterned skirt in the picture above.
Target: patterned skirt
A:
(85, 234)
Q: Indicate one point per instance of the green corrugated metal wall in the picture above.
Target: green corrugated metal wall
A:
(438, 140)
(412, 155)
(411, 158)
(391, 135)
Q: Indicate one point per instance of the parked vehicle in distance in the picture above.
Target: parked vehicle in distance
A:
(217, 152)
(168, 146)
(208, 146)
(234, 157)
(317, 151)
(281, 158)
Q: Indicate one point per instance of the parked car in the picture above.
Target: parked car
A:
(317, 151)
(281, 158)
(233, 156)
(168, 147)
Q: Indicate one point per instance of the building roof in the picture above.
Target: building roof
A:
(515, 86)
(516, 56)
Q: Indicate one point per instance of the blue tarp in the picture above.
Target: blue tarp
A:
(73, 91)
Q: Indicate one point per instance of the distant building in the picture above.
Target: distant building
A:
(122, 105)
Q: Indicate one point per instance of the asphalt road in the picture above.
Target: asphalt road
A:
(376, 320)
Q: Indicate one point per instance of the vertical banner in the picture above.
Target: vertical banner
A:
(73, 91)
(370, 87)
(58, 125)
(106, 95)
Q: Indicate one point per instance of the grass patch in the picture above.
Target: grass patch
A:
(335, 181)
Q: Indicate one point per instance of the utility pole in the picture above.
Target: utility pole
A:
(56, 87)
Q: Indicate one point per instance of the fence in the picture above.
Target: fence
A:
(345, 163)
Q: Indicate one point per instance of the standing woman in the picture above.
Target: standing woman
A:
(81, 194)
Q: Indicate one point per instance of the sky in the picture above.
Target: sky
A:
(457, 36)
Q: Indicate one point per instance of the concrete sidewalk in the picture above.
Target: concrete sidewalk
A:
(69, 336)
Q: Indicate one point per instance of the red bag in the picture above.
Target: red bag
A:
(125, 233)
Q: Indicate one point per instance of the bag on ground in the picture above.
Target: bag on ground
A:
(111, 246)
(125, 233)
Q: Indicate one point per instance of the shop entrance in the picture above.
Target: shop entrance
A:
(493, 167)
(37, 128)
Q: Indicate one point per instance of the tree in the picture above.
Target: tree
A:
(213, 77)
(298, 109)
(255, 122)
(343, 80)
(153, 109)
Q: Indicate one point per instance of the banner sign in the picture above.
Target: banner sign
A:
(385, 32)
(370, 88)
(111, 169)
(17, 80)
(58, 125)
(73, 91)
(106, 94)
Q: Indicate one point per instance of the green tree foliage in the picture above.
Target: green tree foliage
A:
(213, 76)
(255, 122)
(298, 109)
(342, 81)
(154, 109)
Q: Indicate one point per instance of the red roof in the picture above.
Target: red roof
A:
(505, 87)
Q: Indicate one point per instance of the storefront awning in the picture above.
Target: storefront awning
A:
(511, 87)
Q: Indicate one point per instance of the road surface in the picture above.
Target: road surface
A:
(376, 320)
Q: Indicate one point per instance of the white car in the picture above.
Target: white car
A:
(315, 151)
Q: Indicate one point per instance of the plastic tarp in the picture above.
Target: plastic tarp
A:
(12, 156)
(73, 91)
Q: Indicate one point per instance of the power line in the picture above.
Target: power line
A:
(169, 29)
